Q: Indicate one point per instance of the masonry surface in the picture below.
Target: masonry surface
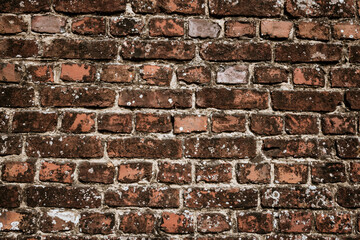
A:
(179, 119)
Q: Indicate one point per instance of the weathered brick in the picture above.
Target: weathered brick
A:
(291, 173)
(40, 73)
(16, 97)
(203, 28)
(213, 173)
(34, 122)
(56, 220)
(239, 29)
(224, 98)
(89, 6)
(270, 75)
(295, 221)
(121, 27)
(175, 173)
(228, 123)
(194, 7)
(134, 172)
(164, 197)
(213, 223)
(253, 173)
(74, 122)
(276, 29)
(96, 173)
(220, 198)
(352, 99)
(176, 223)
(26, 6)
(348, 197)
(328, 173)
(354, 54)
(64, 146)
(266, 124)
(219, 147)
(166, 27)
(156, 75)
(338, 124)
(20, 221)
(333, 222)
(346, 31)
(305, 101)
(313, 30)
(354, 172)
(12, 24)
(237, 74)
(301, 124)
(10, 73)
(256, 8)
(97, 223)
(345, 77)
(23, 172)
(18, 48)
(299, 197)
(10, 145)
(137, 222)
(155, 98)
(348, 148)
(117, 74)
(297, 148)
(57, 172)
(64, 197)
(4, 122)
(10, 196)
(144, 148)
(217, 51)
(48, 24)
(255, 222)
(190, 123)
(89, 26)
(115, 123)
(309, 76)
(77, 72)
(195, 74)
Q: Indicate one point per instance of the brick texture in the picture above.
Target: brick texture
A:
(179, 119)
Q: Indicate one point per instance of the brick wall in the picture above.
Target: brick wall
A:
(181, 119)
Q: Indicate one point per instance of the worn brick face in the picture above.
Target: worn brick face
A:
(179, 119)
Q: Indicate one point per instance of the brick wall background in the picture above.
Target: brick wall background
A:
(181, 119)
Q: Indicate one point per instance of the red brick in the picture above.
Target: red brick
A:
(333, 222)
(328, 173)
(174, 173)
(232, 198)
(253, 173)
(216, 51)
(228, 123)
(117, 74)
(337, 124)
(97, 223)
(196, 74)
(64, 146)
(295, 222)
(80, 49)
(256, 8)
(155, 98)
(348, 197)
(348, 148)
(239, 29)
(313, 30)
(144, 148)
(156, 75)
(10, 73)
(115, 123)
(291, 173)
(345, 77)
(10, 145)
(89, 6)
(48, 24)
(298, 148)
(121, 27)
(166, 27)
(77, 72)
(255, 222)
(134, 196)
(319, 8)
(346, 31)
(307, 53)
(266, 124)
(224, 147)
(352, 99)
(309, 76)
(63, 197)
(301, 124)
(89, 26)
(137, 222)
(270, 75)
(16, 97)
(298, 197)
(96, 173)
(213, 173)
(12, 24)
(78, 122)
(223, 98)
(40, 73)
(68, 96)
(17, 221)
(22, 172)
(354, 172)
(34, 122)
(213, 223)
(165, 50)
(9, 196)
(135, 172)
(57, 221)
(177, 223)
(27, 6)
(57, 172)
(276, 29)
(308, 101)
(190, 123)
(194, 7)
(153, 123)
